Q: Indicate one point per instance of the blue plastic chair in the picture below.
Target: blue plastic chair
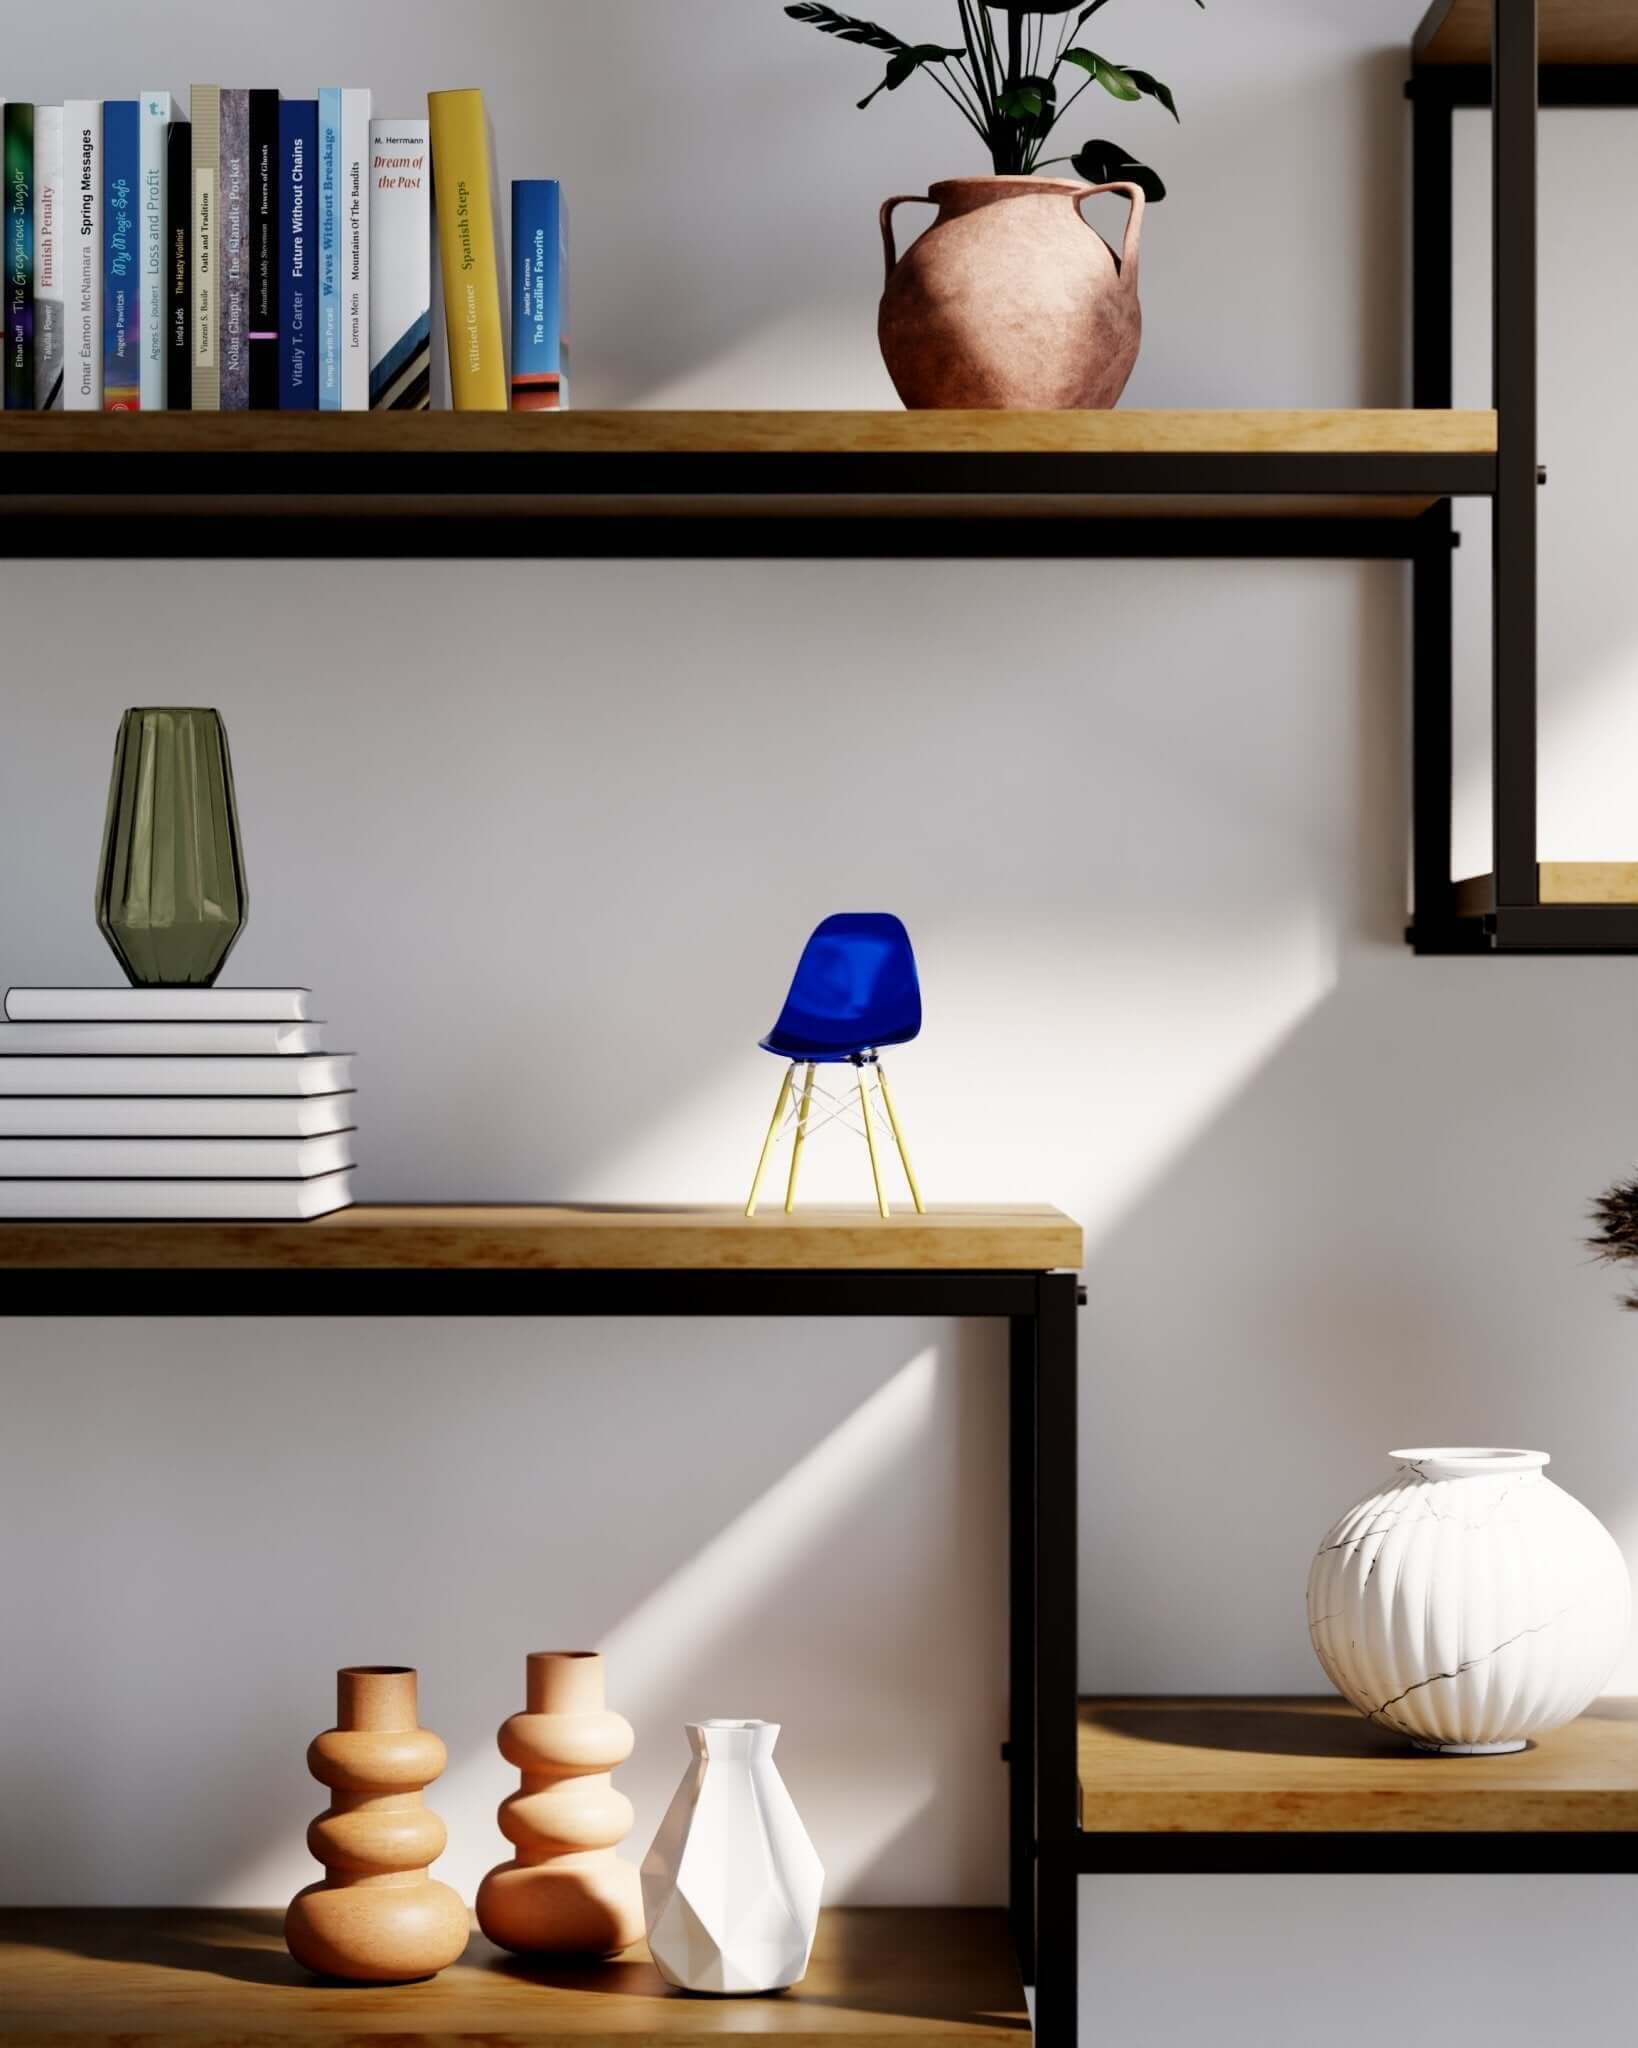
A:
(856, 989)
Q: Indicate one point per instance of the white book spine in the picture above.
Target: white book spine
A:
(174, 1158)
(48, 258)
(149, 1074)
(247, 1201)
(400, 265)
(82, 271)
(174, 1116)
(355, 249)
(162, 1040)
(158, 1005)
(156, 112)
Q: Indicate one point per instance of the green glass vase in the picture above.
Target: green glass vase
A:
(171, 893)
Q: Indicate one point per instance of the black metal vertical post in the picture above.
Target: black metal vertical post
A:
(1513, 125)
(1021, 1713)
(1433, 205)
(1057, 1665)
(1432, 725)
(1433, 255)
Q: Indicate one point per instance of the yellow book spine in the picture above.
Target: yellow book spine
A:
(467, 245)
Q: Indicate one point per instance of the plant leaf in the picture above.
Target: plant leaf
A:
(1029, 99)
(1146, 81)
(906, 64)
(1106, 163)
(1110, 76)
(847, 26)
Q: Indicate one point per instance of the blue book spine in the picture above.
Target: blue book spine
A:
(540, 348)
(121, 256)
(329, 248)
(298, 252)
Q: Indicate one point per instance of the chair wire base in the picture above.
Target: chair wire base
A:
(865, 1111)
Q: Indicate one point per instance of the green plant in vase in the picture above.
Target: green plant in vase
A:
(1010, 300)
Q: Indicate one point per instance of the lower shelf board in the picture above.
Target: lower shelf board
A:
(223, 1980)
(1298, 1766)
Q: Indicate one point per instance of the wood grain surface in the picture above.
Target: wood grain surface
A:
(224, 1980)
(144, 435)
(1289, 1765)
(1572, 32)
(1021, 1239)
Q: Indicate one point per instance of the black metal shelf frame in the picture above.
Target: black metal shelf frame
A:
(1514, 87)
(1040, 1309)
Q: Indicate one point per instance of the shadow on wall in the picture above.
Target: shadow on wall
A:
(1379, 1289)
(772, 1476)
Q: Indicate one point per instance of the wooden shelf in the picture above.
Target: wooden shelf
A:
(553, 1239)
(1559, 881)
(542, 437)
(407, 469)
(1289, 1766)
(221, 1980)
(1571, 32)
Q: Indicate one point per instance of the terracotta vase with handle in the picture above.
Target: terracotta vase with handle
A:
(1011, 301)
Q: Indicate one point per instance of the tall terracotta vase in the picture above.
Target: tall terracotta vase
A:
(565, 1892)
(1011, 301)
(377, 1918)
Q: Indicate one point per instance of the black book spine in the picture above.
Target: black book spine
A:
(264, 252)
(178, 296)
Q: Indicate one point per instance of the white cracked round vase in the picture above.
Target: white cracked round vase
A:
(1471, 1604)
(732, 1884)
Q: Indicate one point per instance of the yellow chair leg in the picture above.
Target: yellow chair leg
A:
(870, 1140)
(898, 1139)
(801, 1136)
(773, 1133)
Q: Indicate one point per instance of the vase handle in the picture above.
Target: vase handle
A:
(1134, 226)
(888, 210)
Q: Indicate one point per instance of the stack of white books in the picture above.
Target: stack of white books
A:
(171, 1104)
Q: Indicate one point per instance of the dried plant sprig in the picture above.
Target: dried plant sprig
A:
(1615, 1237)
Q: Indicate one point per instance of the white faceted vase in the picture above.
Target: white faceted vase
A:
(731, 1886)
(1470, 1605)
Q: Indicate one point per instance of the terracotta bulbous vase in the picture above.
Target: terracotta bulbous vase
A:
(1011, 301)
(565, 1892)
(377, 1917)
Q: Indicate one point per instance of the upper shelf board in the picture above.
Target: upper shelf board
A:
(1571, 32)
(562, 1239)
(1315, 1765)
(640, 463)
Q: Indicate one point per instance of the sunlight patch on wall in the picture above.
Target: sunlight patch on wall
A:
(1066, 1065)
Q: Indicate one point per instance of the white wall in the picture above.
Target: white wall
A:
(1146, 824)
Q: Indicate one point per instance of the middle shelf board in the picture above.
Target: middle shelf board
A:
(637, 465)
(1298, 1766)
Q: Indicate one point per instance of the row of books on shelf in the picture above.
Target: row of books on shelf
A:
(171, 1105)
(271, 254)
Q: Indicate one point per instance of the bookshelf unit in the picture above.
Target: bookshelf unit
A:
(1499, 54)
(892, 1976)
(1104, 1786)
